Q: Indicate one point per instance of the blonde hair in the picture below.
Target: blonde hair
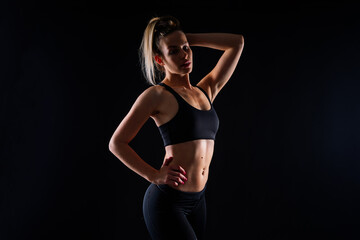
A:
(157, 28)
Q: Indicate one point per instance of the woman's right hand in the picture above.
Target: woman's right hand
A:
(170, 175)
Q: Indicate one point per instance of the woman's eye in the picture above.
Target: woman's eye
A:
(174, 51)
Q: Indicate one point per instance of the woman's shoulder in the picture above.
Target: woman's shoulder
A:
(155, 92)
(155, 98)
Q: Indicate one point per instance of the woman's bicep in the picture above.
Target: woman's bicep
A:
(223, 70)
(226, 65)
(139, 113)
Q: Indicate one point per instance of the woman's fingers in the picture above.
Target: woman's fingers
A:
(173, 181)
(181, 170)
(175, 174)
(167, 161)
(177, 179)
(179, 173)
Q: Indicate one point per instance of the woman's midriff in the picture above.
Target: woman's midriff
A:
(195, 157)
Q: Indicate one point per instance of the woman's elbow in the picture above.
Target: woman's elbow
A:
(115, 144)
(112, 146)
(237, 41)
(240, 40)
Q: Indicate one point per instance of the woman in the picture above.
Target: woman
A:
(174, 204)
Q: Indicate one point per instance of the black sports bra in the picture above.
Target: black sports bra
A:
(189, 123)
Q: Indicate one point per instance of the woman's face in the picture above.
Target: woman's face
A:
(176, 53)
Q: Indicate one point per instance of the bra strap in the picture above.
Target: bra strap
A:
(177, 96)
(204, 93)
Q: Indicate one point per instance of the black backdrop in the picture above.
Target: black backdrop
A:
(286, 162)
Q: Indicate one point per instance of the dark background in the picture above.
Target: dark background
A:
(286, 162)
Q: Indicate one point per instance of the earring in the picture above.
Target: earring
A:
(158, 60)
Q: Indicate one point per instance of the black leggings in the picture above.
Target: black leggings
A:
(174, 214)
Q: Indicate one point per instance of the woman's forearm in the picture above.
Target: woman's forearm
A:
(133, 161)
(167, 174)
(220, 41)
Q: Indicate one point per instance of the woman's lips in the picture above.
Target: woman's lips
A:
(186, 64)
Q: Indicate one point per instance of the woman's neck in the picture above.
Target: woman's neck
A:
(177, 80)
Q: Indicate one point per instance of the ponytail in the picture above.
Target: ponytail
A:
(157, 28)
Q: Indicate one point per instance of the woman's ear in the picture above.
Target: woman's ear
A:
(159, 60)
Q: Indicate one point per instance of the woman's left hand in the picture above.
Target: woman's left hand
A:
(171, 175)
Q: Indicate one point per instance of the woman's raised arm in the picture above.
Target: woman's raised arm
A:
(232, 45)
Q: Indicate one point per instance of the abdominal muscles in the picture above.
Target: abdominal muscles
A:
(195, 157)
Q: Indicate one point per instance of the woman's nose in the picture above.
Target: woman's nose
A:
(184, 54)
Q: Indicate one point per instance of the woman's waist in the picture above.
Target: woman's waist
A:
(196, 167)
(195, 157)
(196, 173)
(184, 194)
(192, 185)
